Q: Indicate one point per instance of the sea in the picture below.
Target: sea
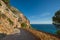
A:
(49, 28)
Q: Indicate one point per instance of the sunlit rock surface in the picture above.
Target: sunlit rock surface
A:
(11, 19)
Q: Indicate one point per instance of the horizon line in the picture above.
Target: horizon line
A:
(38, 23)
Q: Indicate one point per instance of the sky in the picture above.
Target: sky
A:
(37, 11)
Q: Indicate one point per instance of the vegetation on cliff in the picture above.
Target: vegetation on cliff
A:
(58, 32)
(11, 22)
(56, 21)
(24, 25)
(0, 4)
(2, 15)
(6, 1)
(11, 18)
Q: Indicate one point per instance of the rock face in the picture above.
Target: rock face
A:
(11, 19)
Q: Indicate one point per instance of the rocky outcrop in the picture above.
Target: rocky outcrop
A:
(11, 19)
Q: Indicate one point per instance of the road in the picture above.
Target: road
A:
(23, 35)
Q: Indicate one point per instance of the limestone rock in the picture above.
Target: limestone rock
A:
(11, 18)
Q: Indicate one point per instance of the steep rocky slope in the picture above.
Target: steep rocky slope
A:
(11, 19)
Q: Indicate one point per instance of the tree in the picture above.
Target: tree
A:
(7, 2)
(56, 21)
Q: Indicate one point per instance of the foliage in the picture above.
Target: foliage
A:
(2, 15)
(56, 18)
(0, 4)
(14, 16)
(58, 32)
(23, 25)
(13, 10)
(6, 1)
(57, 13)
(7, 9)
(11, 22)
(56, 21)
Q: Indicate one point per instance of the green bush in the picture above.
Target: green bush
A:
(14, 16)
(6, 1)
(58, 32)
(11, 22)
(23, 25)
(4, 16)
(14, 11)
(0, 4)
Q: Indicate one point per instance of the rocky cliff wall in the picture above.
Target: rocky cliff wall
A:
(11, 19)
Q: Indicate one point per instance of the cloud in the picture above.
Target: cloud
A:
(44, 18)
(32, 16)
(41, 22)
(43, 15)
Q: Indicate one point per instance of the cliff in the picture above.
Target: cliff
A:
(11, 19)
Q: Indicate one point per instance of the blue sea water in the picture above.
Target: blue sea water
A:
(50, 28)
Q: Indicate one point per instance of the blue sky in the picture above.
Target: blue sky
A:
(37, 11)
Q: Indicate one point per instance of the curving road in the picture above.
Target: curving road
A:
(23, 35)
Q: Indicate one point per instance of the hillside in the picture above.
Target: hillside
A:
(11, 19)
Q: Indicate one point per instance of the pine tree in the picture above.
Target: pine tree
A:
(56, 21)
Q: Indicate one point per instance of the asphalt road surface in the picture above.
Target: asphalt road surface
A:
(23, 35)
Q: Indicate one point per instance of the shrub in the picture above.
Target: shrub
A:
(58, 32)
(11, 22)
(23, 25)
(14, 11)
(0, 4)
(6, 1)
(14, 16)
(4, 16)
(7, 9)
